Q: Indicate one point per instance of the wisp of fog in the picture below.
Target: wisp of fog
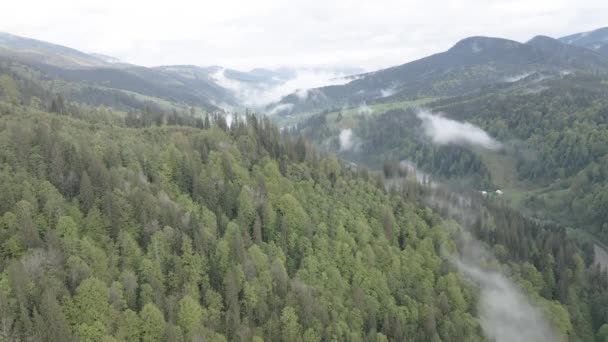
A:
(365, 110)
(258, 95)
(505, 313)
(346, 139)
(445, 131)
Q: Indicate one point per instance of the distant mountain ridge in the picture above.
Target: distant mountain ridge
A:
(210, 87)
(33, 50)
(472, 63)
(566, 55)
(104, 73)
(596, 40)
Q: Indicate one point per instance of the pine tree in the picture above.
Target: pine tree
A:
(86, 194)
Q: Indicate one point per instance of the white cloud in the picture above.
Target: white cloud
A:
(446, 131)
(388, 92)
(258, 95)
(229, 119)
(476, 48)
(346, 139)
(506, 314)
(281, 108)
(517, 77)
(268, 33)
(365, 110)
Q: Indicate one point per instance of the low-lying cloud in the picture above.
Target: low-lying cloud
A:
(259, 94)
(517, 77)
(445, 131)
(388, 92)
(346, 140)
(281, 108)
(505, 312)
(413, 172)
(365, 110)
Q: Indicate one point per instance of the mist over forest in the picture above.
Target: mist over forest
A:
(450, 190)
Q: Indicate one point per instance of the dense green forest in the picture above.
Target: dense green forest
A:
(115, 227)
(150, 225)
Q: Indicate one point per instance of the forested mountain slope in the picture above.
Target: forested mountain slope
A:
(179, 233)
(563, 130)
(552, 128)
(194, 230)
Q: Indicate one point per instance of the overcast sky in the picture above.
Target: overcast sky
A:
(269, 33)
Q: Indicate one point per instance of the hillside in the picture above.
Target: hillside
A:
(175, 233)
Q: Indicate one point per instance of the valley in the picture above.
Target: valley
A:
(462, 196)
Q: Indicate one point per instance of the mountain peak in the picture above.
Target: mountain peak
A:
(478, 44)
(541, 41)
